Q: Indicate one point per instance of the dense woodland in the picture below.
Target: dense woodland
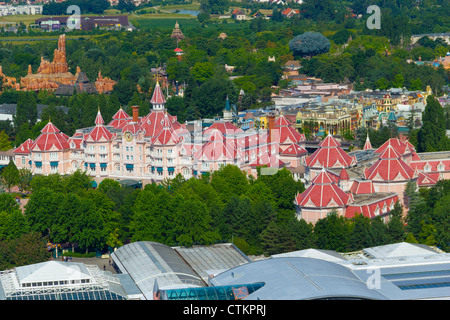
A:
(257, 215)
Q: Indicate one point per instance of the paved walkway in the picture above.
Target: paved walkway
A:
(100, 262)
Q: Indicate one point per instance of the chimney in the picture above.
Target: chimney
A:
(271, 118)
(135, 113)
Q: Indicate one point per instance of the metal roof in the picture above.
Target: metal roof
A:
(213, 259)
(328, 255)
(402, 249)
(147, 261)
(298, 278)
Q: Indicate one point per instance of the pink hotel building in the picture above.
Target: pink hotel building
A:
(156, 146)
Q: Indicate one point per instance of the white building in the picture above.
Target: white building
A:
(8, 10)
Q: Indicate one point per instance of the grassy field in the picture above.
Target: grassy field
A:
(16, 19)
(191, 6)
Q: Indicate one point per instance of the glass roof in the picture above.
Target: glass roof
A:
(235, 292)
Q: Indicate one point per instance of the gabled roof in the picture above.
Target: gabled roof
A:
(344, 175)
(362, 187)
(99, 132)
(238, 12)
(427, 179)
(52, 271)
(402, 147)
(294, 150)
(217, 148)
(24, 148)
(50, 138)
(329, 142)
(119, 119)
(227, 128)
(329, 155)
(323, 193)
(154, 121)
(390, 167)
(167, 135)
(372, 207)
(282, 121)
(267, 159)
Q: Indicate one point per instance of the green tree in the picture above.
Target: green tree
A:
(332, 232)
(88, 227)
(303, 233)
(28, 249)
(24, 179)
(13, 223)
(277, 239)
(377, 232)
(26, 109)
(193, 224)
(228, 181)
(41, 210)
(431, 136)
(440, 217)
(113, 239)
(108, 184)
(5, 144)
(214, 6)
(395, 228)
(359, 233)
(10, 175)
(309, 44)
(410, 238)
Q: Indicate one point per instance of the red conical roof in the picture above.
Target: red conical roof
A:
(389, 153)
(323, 178)
(120, 115)
(367, 144)
(99, 119)
(399, 146)
(50, 128)
(330, 155)
(158, 97)
(329, 142)
(282, 121)
(119, 119)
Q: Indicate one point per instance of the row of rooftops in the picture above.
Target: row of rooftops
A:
(149, 270)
